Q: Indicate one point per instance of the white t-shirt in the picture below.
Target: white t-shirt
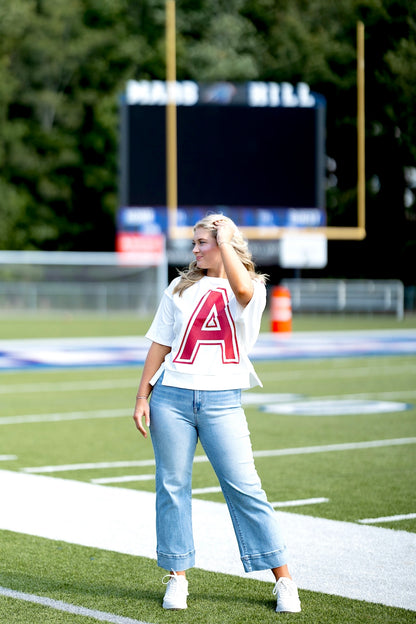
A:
(210, 335)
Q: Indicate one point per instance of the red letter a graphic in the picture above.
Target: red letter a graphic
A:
(210, 324)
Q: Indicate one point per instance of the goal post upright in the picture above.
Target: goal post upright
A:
(360, 128)
(171, 120)
(351, 233)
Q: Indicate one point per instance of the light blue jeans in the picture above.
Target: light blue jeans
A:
(178, 417)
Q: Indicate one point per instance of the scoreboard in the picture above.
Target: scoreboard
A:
(254, 151)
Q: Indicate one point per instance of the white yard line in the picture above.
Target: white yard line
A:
(327, 556)
(410, 516)
(70, 386)
(110, 384)
(125, 479)
(101, 465)
(347, 446)
(291, 503)
(300, 502)
(364, 371)
(66, 607)
(30, 419)
(91, 466)
(207, 490)
(8, 457)
(249, 398)
(301, 450)
(65, 416)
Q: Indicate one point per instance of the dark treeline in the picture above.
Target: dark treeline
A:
(64, 64)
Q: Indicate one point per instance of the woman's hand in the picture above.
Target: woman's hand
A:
(142, 410)
(237, 274)
(225, 231)
(154, 358)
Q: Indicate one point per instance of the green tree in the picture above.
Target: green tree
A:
(14, 17)
(64, 64)
(69, 61)
(315, 41)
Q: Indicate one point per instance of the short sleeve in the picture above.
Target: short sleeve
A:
(251, 314)
(162, 327)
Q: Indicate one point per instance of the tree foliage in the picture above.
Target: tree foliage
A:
(64, 64)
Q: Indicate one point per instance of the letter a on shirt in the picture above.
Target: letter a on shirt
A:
(210, 324)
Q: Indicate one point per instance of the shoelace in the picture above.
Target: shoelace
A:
(169, 577)
(284, 588)
(172, 587)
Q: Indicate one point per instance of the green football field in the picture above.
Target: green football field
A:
(75, 424)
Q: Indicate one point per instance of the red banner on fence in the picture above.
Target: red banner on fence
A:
(140, 249)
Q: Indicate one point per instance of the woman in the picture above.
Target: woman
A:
(197, 365)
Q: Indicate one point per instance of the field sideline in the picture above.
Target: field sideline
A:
(334, 442)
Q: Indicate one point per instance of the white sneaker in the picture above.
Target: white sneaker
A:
(176, 591)
(287, 596)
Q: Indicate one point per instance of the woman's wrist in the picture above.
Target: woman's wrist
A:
(142, 396)
(225, 243)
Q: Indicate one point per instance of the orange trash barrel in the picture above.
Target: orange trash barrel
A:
(280, 309)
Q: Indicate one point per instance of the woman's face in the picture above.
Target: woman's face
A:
(207, 253)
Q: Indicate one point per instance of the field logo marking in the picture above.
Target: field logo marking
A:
(132, 350)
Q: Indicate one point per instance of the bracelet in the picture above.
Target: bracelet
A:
(138, 396)
(225, 243)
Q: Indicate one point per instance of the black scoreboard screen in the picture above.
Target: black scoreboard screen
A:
(235, 150)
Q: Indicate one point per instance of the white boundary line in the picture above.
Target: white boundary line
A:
(8, 457)
(59, 605)
(327, 556)
(301, 450)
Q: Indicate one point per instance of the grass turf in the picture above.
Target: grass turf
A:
(76, 325)
(359, 483)
(114, 583)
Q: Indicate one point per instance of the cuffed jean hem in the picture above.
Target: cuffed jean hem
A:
(177, 563)
(265, 561)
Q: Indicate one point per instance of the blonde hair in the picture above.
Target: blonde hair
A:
(193, 274)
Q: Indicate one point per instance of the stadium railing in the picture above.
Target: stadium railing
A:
(79, 281)
(347, 296)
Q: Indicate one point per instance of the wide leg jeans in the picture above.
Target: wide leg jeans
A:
(178, 417)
